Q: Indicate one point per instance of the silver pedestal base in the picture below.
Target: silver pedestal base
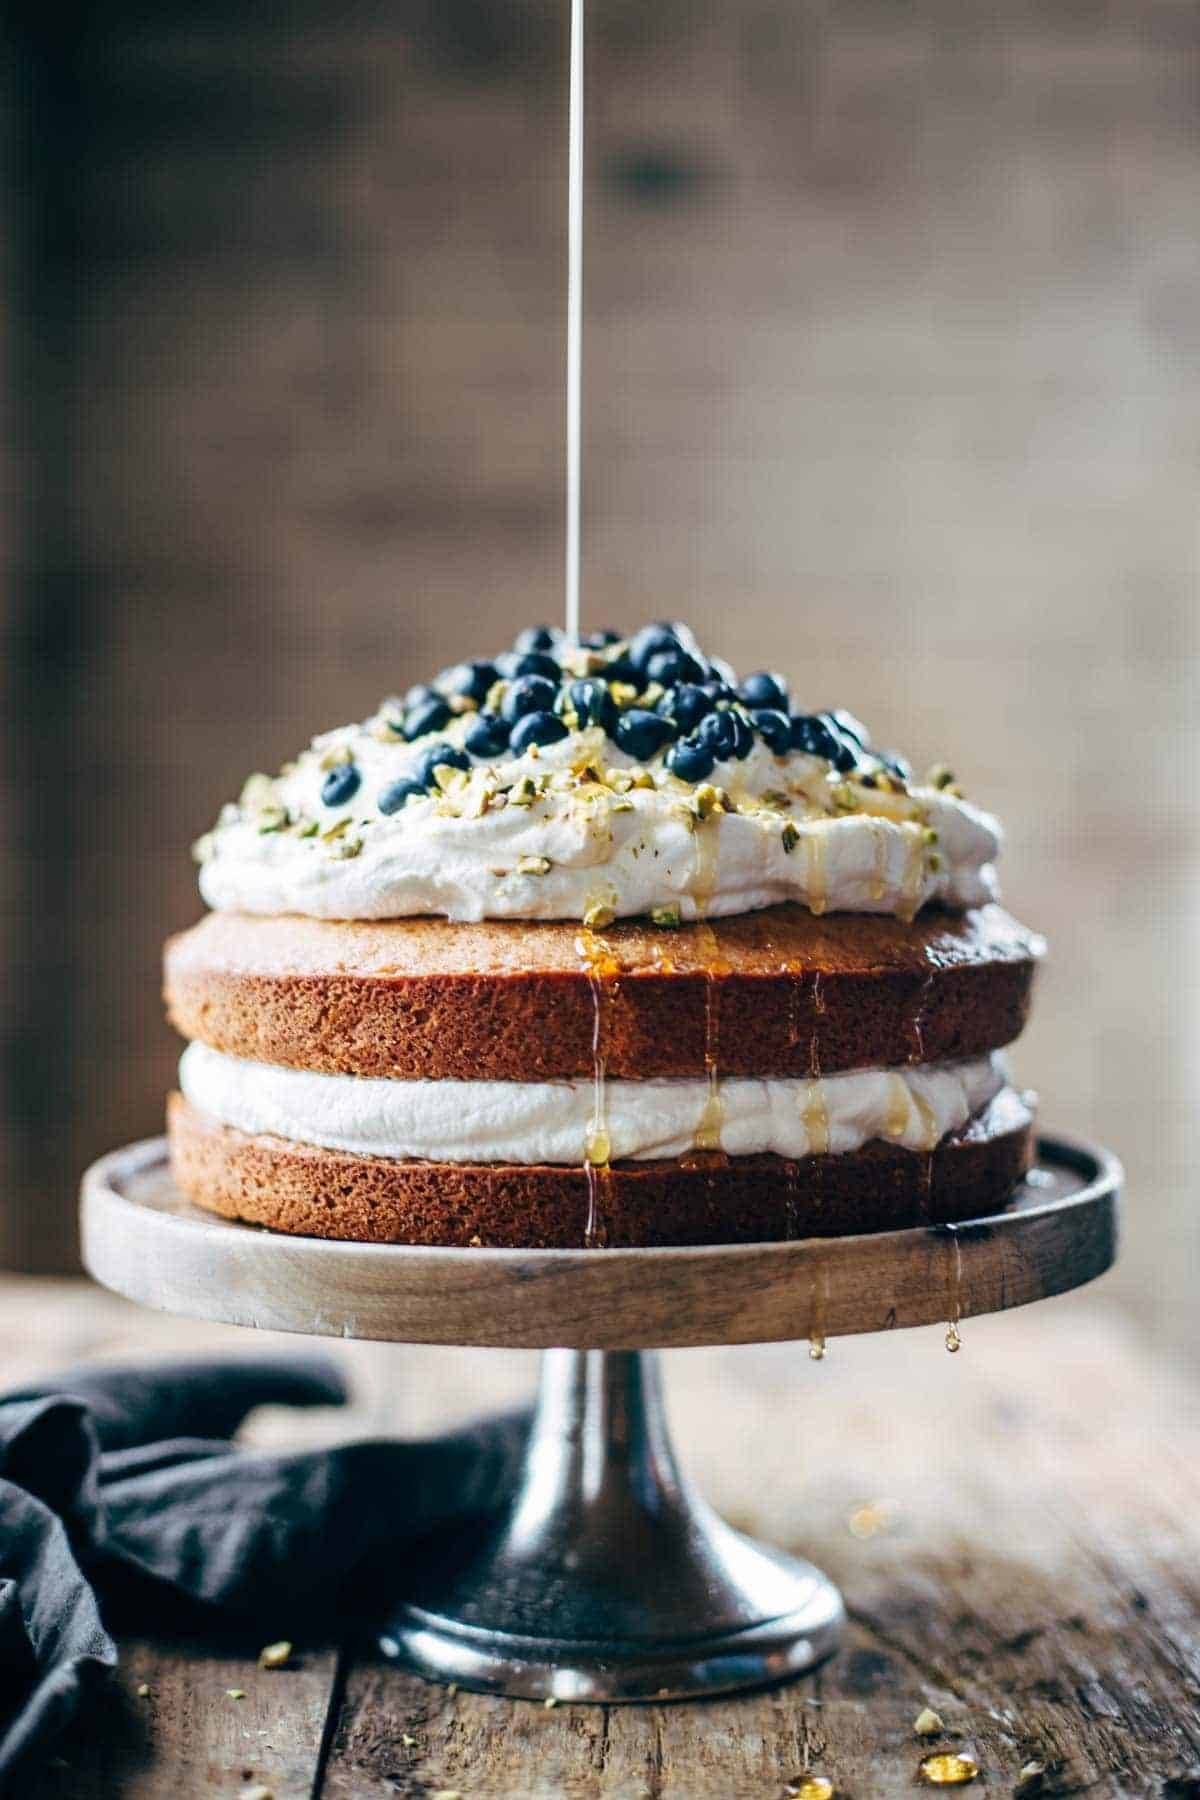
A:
(610, 1579)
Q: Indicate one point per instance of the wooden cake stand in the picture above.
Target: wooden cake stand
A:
(608, 1578)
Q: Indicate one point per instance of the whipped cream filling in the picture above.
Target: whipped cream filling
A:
(794, 829)
(553, 1121)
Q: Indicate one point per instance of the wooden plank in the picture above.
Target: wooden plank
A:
(196, 1718)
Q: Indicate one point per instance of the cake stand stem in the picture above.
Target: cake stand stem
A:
(609, 1578)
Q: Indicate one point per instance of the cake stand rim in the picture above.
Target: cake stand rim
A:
(208, 1267)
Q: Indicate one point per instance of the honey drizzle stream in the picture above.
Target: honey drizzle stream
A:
(954, 1291)
(708, 1131)
(601, 968)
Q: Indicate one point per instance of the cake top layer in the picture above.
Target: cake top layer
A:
(610, 779)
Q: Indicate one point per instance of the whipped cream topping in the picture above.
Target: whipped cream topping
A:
(578, 830)
(553, 1121)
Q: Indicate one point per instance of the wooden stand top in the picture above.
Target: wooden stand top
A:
(144, 1240)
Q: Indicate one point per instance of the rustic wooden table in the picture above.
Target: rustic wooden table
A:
(1016, 1530)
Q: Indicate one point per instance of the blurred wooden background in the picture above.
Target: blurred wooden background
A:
(893, 322)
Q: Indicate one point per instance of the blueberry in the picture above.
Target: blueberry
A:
(528, 694)
(774, 728)
(673, 666)
(591, 703)
(535, 638)
(513, 664)
(471, 679)
(398, 793)
(764, 690)
(536, 728)
(686, 704)
(812, 734)
(487, 735)
(599, 640)
(640, 734)
(718, 690)
(418, 695)
(341, 784)
(895, 764)
(438, 756)
(690, 760)
(621, 669)
(727, 734)
(427, 716)
(847, 725)
(648, 642)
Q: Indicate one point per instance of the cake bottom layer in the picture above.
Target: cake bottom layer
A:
(707, 1198)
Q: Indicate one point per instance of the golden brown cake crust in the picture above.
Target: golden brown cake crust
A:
(777, 992)
(312, 1192)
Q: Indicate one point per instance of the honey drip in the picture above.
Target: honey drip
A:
(816, 1329)
(601, 968)
(929, 1124)
(918, 1022)
(708, 1132)
(817, 883)
(898, 1108)
(815, 1116)
(954, 1291)
(878, 887)
(914, 875)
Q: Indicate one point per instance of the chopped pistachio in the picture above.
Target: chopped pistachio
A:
(338, 829)
(621, 803)
(449, 779)
(599, 914)
(934, 861)
(929, 835)
(478, 798)
(272, 818)
(334, 757)
(619, 780)
(708, 799)
(641, 778)
(668, 918)
(623, 693)
(790, 837)
(306, 828)
(940, 776)
(346, 848)
(533, 865)
(844, 797)
(523, 792)
(274, 1656)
